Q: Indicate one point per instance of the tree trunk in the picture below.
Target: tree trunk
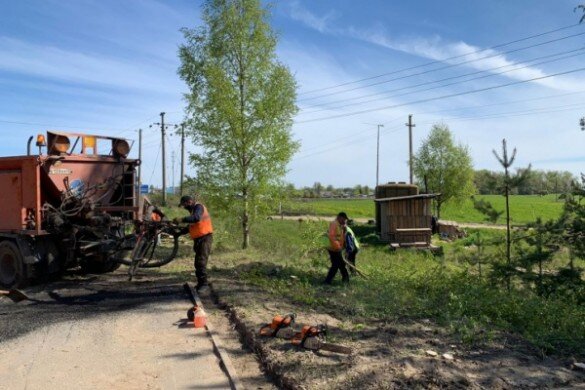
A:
(479, 252)
(508, 238)
(246, 221)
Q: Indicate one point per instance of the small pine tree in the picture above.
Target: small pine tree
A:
(510, 181)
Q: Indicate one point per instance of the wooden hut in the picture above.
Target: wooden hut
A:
(406, 220)
(391, 190)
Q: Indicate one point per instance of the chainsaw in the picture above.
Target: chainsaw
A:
(314, 338)
(281, 327)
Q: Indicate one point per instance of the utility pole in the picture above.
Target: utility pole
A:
(378, 157)
(410, 125)
(164, 175)
(173, 159)
(163, 127)
(138, 194)
(139, 157)
(182, 158)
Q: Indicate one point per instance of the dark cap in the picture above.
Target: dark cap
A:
(342, 215)
(185, 199)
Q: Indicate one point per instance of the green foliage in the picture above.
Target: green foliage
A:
(541, 239)
(446, 168)
(573, 220)
(491, 214)
(537, 182)
(241, 101)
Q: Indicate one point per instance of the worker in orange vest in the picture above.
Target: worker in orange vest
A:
(336, 235)
(201, 231)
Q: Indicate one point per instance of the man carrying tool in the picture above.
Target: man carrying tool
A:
(352, 247)
(336, 235)
(201, 231)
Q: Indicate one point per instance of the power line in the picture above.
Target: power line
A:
(155, 164)
(511, 114)
(443, 96)
(354, 135)
(440, 61)
(508, 102)
(444, 67)
(329, 148)
(524, 65)
(342, 141)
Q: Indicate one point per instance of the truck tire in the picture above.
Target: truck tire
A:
(12, 269)
(99, 264)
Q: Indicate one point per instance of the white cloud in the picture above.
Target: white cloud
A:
(321, 24)
(435, 48)
(50, 62)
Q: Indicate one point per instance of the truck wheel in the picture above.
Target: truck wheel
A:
(99, 264)
(12, 269)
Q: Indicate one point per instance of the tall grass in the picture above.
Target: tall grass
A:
(405, 286)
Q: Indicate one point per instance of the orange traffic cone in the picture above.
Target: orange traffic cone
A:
(200, 318)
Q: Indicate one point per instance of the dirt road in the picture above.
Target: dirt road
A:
(103, 332)
(366, 220)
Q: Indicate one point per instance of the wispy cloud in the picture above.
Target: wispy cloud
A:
(51, 62)
(435, 48)
(319, 23)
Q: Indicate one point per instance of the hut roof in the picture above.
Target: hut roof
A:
(420, 196)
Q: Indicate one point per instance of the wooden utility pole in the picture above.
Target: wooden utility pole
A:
(164, 175)
(139, 158)
(182, 157)
(378, 157)
(173, 170)
(410, 125)
(138, 201)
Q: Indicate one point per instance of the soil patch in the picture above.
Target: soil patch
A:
(388, 354)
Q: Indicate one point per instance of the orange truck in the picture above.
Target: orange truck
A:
(69, 205)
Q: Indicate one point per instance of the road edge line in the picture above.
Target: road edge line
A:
(228, 366)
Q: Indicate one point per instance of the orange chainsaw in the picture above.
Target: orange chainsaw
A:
(281, 327)
(314, 338)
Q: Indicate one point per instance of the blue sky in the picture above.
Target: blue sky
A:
(109, 67)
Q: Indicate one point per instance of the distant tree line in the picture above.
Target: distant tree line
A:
(536, 182)
(318, 190)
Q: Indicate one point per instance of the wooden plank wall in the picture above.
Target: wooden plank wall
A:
(406, 214)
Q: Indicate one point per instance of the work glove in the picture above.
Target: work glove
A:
(177, 220)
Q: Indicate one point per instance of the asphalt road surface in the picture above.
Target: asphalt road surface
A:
(103, 332)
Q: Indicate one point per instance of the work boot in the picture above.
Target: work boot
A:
(203, 290)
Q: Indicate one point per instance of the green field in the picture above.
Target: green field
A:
(524, 208)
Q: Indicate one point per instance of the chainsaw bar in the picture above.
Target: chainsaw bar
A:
(317, 344)
(336, 348)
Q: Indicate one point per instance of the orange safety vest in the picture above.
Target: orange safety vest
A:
(203, 227)
(336, 237)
